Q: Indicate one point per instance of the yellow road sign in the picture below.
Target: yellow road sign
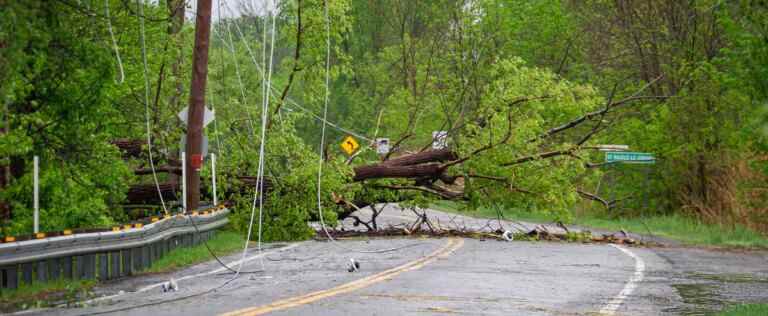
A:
(349, 145)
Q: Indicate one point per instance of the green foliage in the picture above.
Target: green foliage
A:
(291, 169)
(40, 295)
(57, 97)
(496, 74)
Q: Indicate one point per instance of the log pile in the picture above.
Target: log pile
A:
(129, 147)
(146, 193)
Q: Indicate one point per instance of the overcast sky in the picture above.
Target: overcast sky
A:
(230, 8)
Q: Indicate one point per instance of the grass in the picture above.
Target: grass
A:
(685, 230)
(224, 243)
(746, 310)
(40, 294)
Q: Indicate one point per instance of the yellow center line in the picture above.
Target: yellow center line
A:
(452, 245)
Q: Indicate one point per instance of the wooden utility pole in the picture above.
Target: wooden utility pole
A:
(197, 103)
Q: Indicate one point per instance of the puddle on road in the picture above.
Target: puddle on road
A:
(705, 294)
(698, 299)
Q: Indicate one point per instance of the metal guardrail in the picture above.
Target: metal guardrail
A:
(103, 255)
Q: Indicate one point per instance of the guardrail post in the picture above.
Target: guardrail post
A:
(54, 269)
(114, 272)
(11, 277)
(103, 267)
(156, 250)
(66, 266)
(79, 267)
(126, 270)
(146, 257)
(26, 272)
(42, 271)
(136, 258)
(90, 266)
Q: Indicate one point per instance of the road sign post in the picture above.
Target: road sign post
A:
(213, 179)
(184, 181)
(36, 202)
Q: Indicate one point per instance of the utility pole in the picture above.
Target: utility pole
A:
(197, 103)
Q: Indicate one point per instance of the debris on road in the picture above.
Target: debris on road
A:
(508, 235)
(171, 285)
(353, 265)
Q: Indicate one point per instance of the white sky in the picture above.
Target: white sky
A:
(231, 8)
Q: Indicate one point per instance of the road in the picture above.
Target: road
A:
(431, 276)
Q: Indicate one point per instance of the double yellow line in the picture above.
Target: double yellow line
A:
(452, 245)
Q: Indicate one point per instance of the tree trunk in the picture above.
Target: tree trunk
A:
(439, 155)
(418, 165)
(378, 171)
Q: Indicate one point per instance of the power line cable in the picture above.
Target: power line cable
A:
(266, 82)
(114, 42)
(288, 100)
(146, 101)
(322, 140)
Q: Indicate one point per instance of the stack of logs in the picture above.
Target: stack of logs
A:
(147, 193)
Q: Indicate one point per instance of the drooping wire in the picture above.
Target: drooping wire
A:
(114, 42)
(290, 102)
(322, 140)
(142, 36)
(266, 82)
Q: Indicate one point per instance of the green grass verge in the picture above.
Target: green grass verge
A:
(746, 310)
(43, 294)
(685, 230)
(224, 243)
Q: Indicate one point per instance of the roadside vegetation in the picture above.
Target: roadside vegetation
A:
(526, 96)
(34, 295)
(746, 310)
(225, 242)
(674, 227)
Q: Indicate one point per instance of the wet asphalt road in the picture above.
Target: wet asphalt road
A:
(430, 276)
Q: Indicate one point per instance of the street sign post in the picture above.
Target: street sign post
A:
(349, 145)
(629, 157)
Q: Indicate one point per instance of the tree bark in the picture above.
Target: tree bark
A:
(386, 171)
(439, 155)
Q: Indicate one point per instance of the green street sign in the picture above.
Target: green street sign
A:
(629, 157)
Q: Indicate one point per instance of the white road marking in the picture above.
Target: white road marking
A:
(614, 304)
